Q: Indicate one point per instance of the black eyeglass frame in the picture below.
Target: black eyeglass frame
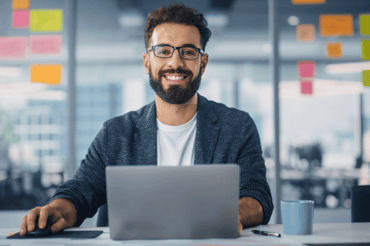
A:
(173, 50)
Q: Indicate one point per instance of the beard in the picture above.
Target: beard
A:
(175, 94)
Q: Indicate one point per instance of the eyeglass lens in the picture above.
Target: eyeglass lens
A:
(185, 52)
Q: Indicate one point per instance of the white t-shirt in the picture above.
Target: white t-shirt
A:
(175, 144)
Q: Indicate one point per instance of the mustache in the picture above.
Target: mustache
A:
(178, 70)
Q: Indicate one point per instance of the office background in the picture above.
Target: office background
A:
(324, 137)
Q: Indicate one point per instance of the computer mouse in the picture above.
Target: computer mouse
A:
(40, 232)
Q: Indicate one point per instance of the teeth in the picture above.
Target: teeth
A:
(174, 77)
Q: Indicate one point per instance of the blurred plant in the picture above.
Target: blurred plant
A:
(7, 136)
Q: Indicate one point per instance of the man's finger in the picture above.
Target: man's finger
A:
(31, 217)
(23, 228)
(44, 215)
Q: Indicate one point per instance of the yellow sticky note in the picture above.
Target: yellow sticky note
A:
(365, 25)
(46, 20)
(334, 50)
(366, 77)
(306, 33)
(336, 25)
(308, 1)
(365, 47)
(46, 73)
(20, 4)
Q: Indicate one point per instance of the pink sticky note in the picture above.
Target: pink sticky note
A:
(306, 87)
(45, 44)
(13, 47)
(21, 18)
(306, 69)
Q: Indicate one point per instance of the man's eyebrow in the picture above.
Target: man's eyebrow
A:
(190, 45)
(184, 45)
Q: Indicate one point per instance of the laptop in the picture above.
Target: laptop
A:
(173, 202)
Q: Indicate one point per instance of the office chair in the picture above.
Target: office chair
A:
(102, 220)
(360, 203)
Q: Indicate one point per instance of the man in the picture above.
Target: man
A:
(179, 128)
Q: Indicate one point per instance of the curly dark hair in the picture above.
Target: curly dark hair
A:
(177, 13)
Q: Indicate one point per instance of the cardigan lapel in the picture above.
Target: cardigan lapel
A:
(207, 133)
(147, 125)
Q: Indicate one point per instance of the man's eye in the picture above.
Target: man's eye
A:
(189, 52)
(163, 52)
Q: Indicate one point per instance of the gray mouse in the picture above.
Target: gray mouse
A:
(40, 232)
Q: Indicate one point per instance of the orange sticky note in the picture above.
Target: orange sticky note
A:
(334, 50)
(336, 25)
(46, 73)
(21, 4)
(308, 1)
(306, 33)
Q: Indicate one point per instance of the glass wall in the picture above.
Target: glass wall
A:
(33, 124)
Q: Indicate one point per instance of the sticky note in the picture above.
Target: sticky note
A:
(366, 77)
(365, 25)
(45, 44)
(306, 87)
(336, 25)
(306, 69)
(46, 20)
(306, 33)
(334, 50)
(20, 4)
(308, 1)
(13, 47)
(365, 47)
(46, 73)
(21, 18)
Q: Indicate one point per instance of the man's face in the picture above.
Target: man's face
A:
(174, 79)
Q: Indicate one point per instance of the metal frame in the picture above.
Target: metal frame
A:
(274, 66)
(71, 10)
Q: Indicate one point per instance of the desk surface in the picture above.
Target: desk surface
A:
(322, 233)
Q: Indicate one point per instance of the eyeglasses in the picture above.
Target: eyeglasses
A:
(166, 51)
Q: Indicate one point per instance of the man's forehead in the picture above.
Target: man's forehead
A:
(176, 34)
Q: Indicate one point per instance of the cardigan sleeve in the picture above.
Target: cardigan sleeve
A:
(87, 188)
(253, 182)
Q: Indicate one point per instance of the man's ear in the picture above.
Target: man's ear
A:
(204, 62)
(146, 62)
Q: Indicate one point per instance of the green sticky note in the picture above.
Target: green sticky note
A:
(365, 25)
(365, 46)
(366, 77)
(46, 20)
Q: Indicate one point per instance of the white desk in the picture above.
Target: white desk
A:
(331, 233)
(323, 233)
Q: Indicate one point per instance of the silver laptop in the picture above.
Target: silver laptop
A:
(181, 202)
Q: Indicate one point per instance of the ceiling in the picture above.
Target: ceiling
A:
(244, 38)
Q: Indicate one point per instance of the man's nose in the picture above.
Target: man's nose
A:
(176, 61)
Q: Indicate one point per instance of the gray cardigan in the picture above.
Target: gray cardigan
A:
(223, 135)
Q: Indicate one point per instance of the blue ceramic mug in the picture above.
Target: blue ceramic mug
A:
(297, 217)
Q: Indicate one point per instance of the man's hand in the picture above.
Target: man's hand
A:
(61, 212)
(240, 227)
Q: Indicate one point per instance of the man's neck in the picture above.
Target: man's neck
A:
(175, 115)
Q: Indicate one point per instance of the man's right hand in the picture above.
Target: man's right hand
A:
(61, 212)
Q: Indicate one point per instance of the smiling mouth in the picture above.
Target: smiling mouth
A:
(175, 79)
